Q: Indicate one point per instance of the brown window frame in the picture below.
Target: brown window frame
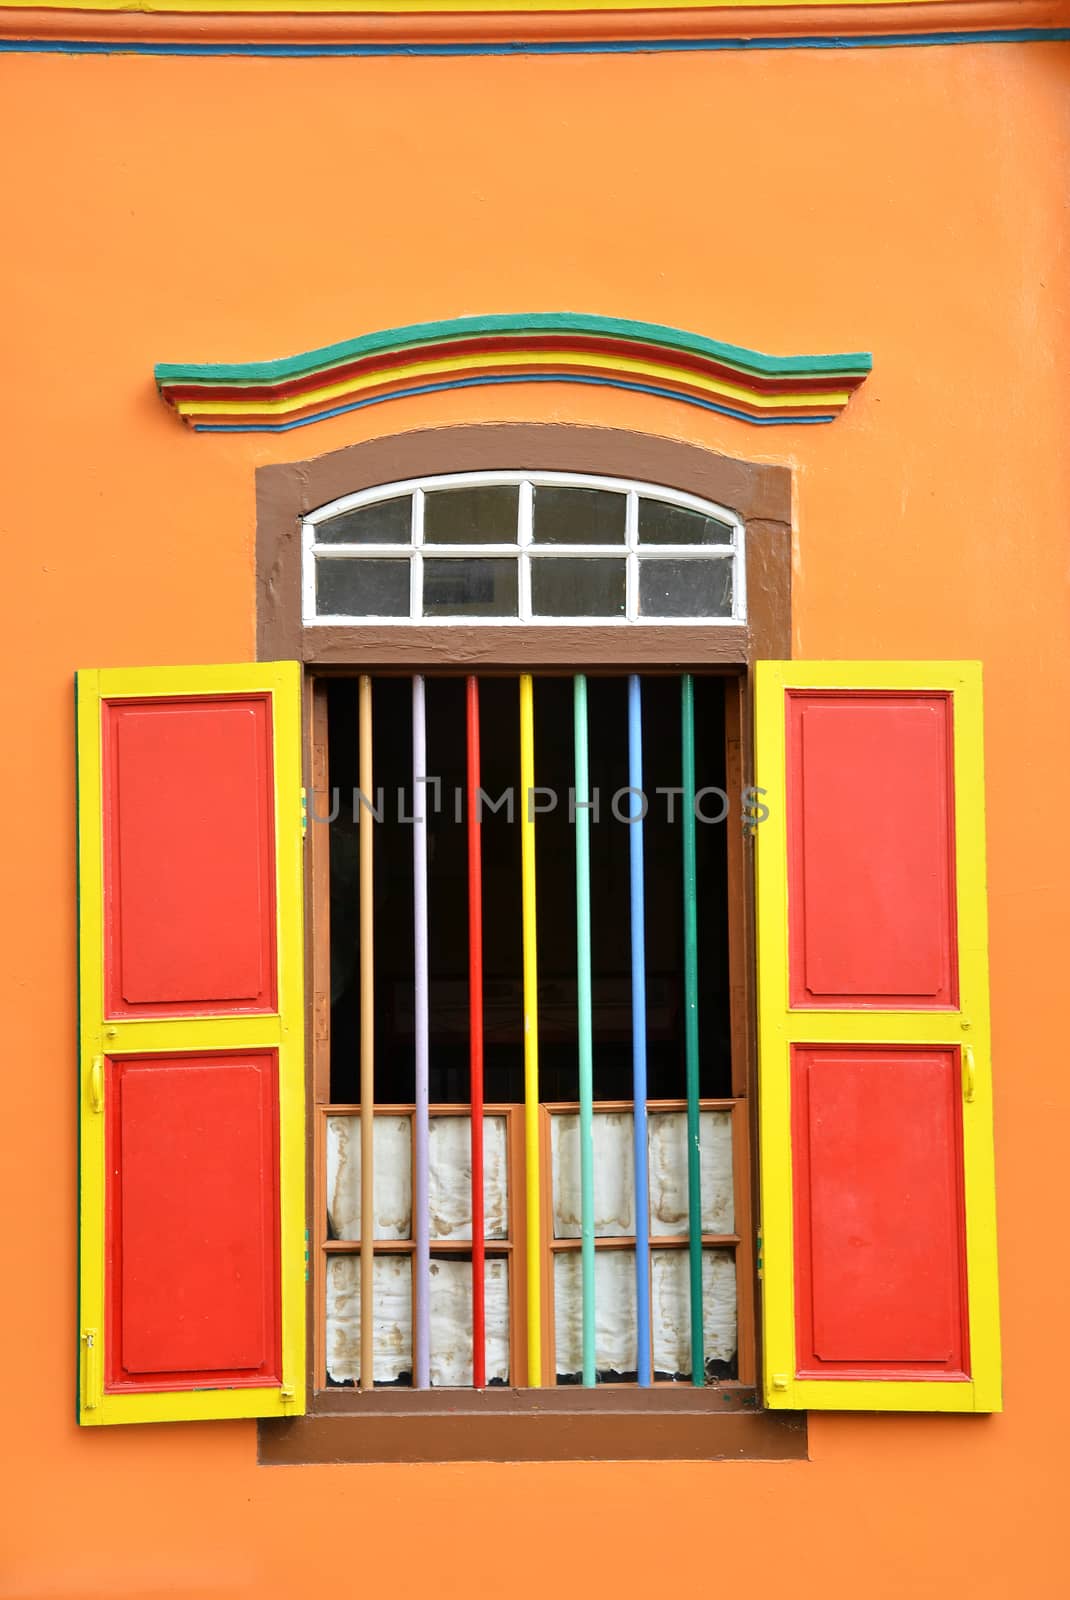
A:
(567, 1423)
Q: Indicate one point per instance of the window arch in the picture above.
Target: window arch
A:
(756, 495)
(522, 547)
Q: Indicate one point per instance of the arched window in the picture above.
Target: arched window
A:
(521, 547)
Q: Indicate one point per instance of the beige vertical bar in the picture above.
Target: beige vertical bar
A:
(367, 1041)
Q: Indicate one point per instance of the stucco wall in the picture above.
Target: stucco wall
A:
(909, 202)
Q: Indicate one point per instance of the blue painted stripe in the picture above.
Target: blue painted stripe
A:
(476, 383)
(639, 1076)
(560, 47)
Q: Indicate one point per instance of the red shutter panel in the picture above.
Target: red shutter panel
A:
(189, 863)
(192, 1123)
(877, 1196)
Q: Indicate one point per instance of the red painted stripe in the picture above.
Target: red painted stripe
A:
(310, 27)
(475, 982)
(496, 344)
(254, 416)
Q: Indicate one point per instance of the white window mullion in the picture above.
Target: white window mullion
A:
(739, 576)
(524, 534)
(416, 576)
(631, 540)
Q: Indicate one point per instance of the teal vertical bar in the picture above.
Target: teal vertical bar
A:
(639, 1072)
(694, 1183)
(586, 1023)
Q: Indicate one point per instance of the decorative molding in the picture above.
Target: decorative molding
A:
(551, 347)
(286, 28)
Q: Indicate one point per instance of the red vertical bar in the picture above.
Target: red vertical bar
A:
(475, 1005)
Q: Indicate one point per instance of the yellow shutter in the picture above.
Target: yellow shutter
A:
(192, 1202)
(877, 1182)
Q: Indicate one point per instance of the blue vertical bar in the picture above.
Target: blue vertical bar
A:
(637, 807)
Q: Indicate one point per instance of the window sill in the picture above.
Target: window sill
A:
(565, 1424)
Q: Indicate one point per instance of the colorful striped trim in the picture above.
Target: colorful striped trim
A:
(550, 347)
(372, 28)
(456, 7)
(527, 47)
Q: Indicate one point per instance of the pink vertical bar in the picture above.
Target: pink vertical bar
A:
(421, 1208)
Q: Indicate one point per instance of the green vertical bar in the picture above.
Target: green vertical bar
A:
(586, 1024)
(694, 1184)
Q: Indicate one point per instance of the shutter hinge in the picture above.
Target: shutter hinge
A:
(780, 1381)
(759, 1260)
(287, 1394)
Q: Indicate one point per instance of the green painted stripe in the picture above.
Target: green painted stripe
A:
(213, 390)
(852, 364)
(694, 1177)
(586, 1020)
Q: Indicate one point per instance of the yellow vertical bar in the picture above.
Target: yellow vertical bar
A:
(531, 1031)
(367, 1040)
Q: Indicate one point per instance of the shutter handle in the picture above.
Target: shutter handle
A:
(969, 1075)
(96, 1085)
(91, 1393)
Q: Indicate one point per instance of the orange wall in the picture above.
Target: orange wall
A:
(903, 201)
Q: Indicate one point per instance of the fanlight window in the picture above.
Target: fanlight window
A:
(515, 547)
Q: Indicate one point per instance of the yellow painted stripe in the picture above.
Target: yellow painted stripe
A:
(101, 1037)
(632, 366)
(531, 1032)
(779, 1027)
(417, 7)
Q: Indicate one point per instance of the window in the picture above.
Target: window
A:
(601, 1215)
(516, 547)
(868, 1029)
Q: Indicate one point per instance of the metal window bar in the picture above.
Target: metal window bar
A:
(532, 1111)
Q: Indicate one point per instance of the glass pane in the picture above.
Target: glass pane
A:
(450, 1307)
(392, 1177)
(667, 1146)
(661, 523)
(614, 1316)
(391, 1326)
(578, 516)
(387, 522)
(362, 587)
(670, 1313)
(484, 514)
(688, 588)
(470, 588)
(450, 1178)
(577, 586)
(614, 1174)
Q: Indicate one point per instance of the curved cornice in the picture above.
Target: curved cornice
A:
(461, 27)
(541, 347)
